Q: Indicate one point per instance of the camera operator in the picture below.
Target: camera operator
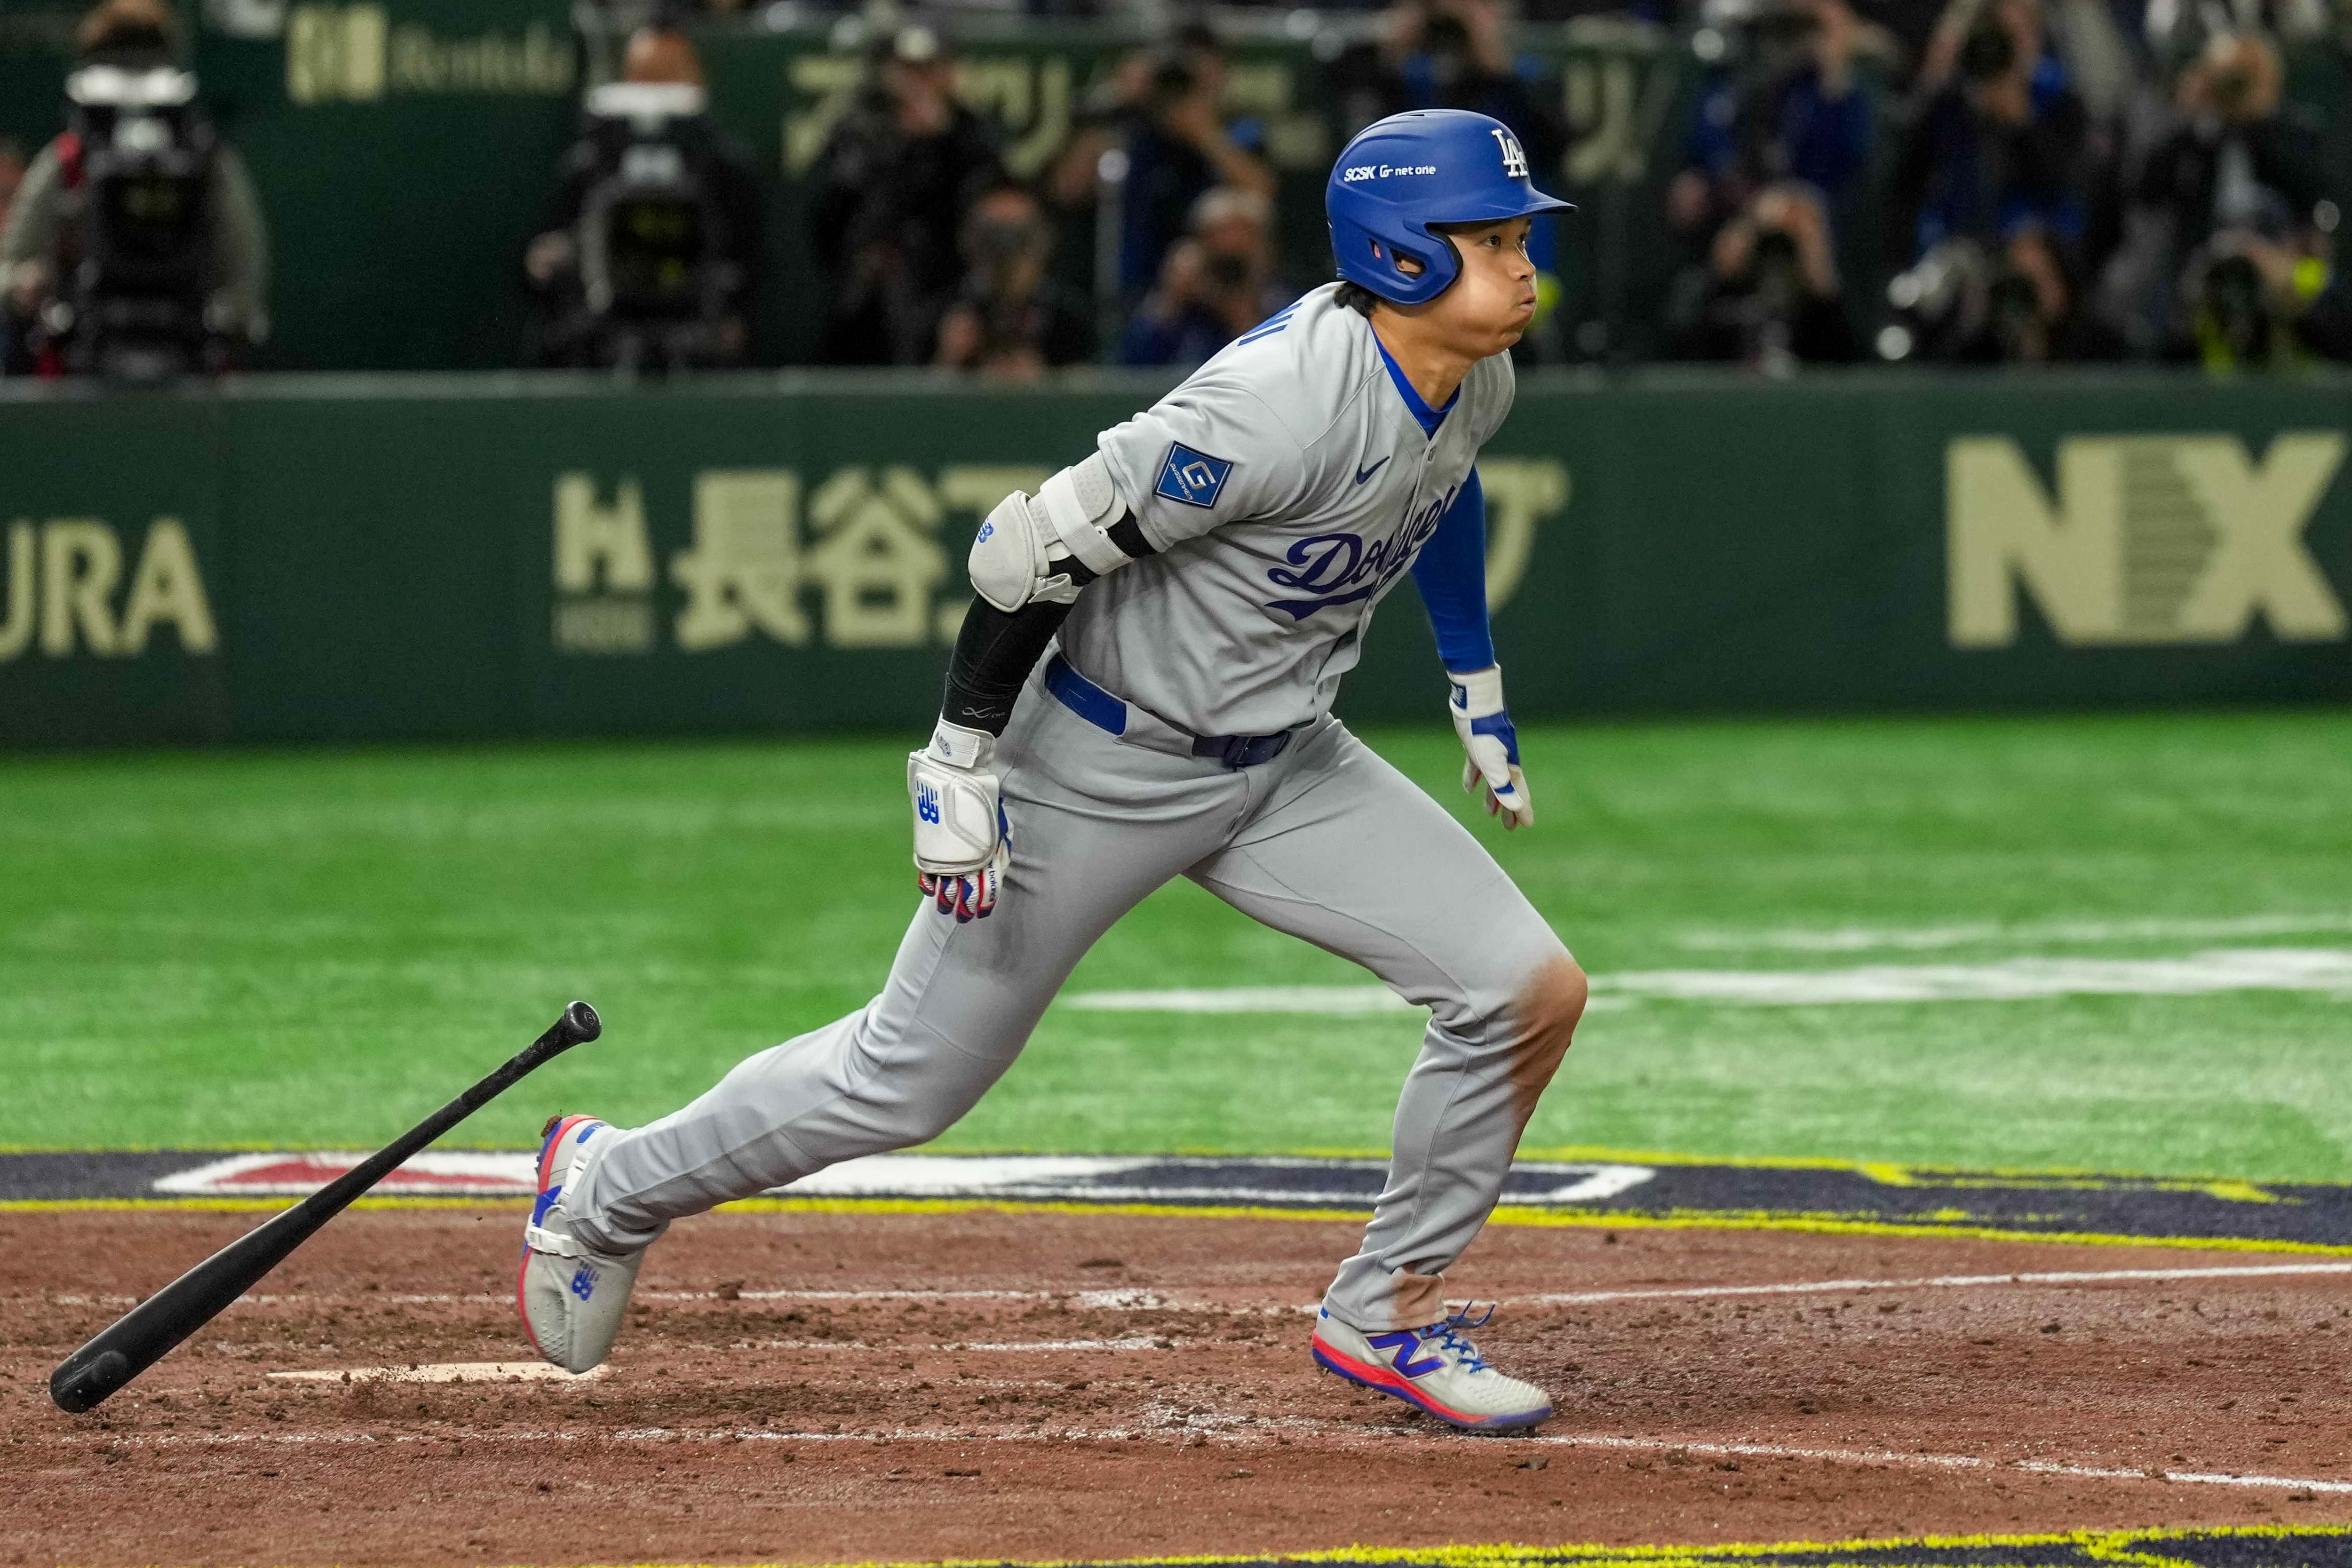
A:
(134, 246)
(649, 250)
(1768, 295)
(1164, 115)
(1782, 103)
(2241, 192)
(2021, 303)
(1216, 284)
(2000, 146)
(893, 183)
(1011, 321)
(1445, 54)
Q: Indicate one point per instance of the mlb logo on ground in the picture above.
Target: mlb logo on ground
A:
(1192, 478)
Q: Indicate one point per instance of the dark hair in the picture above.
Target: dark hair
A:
(129, 28)
(1356, 298)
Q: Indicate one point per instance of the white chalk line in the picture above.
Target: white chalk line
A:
(1857, 1457)
(448, 1372)
(1151, 1301)
(1935, 1282)
(2304, 969)
(1088, 1300)
(1081, 1300)
(1131, 1344)
(1864, 938)
(1947, 1462)
(2314, 969)
(1319, 1000)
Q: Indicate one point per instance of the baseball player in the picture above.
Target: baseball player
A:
(1142, 691)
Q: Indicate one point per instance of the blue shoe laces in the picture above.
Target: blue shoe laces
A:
(1445, 1335)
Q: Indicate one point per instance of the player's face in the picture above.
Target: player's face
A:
(1490, 304)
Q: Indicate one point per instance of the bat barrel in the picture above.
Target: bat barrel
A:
(83, 1379)
(147, 1332)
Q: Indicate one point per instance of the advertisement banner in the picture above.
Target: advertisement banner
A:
(461, 557)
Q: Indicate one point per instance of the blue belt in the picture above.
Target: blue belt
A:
(1104, 712)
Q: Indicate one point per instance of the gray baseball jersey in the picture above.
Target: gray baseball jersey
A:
(1287, 486)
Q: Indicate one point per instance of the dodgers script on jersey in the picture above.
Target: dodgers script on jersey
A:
(1286, 486)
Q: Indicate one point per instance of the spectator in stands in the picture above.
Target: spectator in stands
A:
(62, 274)
(1216, 283)
(2082, 36)
(1767, 294)
(1165, 114)
(12, 174)
(1444, 54)
(1998, 149)
(2022, 303)
(1784, 106)
(1011, 321)
(891, 189)
(2241, 192)
(650, 242)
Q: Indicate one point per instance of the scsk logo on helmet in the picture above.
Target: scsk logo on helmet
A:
(1515, 158)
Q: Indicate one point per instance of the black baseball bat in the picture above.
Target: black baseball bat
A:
(148, 1332)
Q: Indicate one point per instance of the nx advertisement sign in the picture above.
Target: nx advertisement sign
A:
(2148, 540)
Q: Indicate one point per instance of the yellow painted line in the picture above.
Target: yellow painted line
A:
(1836, 1225)
(1505, 1215)
(1893, 1172)
(2106, 1545)
(1888, 1172)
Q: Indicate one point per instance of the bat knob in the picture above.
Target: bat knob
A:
(580, 1021)
(78, 1387)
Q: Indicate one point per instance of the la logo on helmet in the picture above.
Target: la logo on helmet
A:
(1515, 160)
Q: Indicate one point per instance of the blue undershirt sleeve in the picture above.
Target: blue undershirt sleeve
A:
(1451, 573)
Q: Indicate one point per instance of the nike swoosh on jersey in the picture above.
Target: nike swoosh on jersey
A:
(1363, 473)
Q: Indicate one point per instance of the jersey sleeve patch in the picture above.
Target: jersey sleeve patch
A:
(1191, 478)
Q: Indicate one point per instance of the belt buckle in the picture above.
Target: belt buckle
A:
(1239, 751)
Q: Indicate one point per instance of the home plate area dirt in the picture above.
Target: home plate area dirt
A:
(850, 1384)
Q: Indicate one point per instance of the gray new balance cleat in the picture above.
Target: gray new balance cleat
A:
(1434, 1368)
(570, 1296)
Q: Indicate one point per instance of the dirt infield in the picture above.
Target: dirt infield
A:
(836, 1386)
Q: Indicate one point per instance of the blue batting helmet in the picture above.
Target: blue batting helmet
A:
(1402, 173)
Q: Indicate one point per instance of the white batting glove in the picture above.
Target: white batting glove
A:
(961, 838)
(1492, 746)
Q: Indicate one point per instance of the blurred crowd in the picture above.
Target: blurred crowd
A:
(1949, 181)
(2033, 180)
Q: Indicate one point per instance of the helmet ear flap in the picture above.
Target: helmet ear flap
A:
(1378, 265)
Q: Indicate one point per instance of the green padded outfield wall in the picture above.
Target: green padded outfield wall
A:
(307, 559)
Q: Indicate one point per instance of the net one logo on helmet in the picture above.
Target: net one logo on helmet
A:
(1382, 171)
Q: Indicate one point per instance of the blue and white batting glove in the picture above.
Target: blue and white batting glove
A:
(962, 838)
(1492, 745)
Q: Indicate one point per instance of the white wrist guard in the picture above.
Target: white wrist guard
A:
(1477, 695)
(1490, 745)
(955, 793)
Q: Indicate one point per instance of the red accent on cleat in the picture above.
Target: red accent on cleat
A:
(1389, 1381)
(559, 1127)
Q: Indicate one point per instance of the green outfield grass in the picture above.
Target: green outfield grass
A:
(315, 948)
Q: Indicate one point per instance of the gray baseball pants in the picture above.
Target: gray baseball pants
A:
(1327, 841)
